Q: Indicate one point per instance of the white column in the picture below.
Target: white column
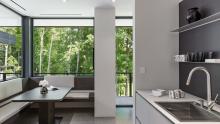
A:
(155, 45)
(105, 71)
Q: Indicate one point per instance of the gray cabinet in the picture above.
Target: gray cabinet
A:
(147, 114)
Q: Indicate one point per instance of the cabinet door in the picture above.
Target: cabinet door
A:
(137, 121)
(147, 114)
(142, 110)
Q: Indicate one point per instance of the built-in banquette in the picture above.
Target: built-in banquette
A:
(81, 95)
(8, 90)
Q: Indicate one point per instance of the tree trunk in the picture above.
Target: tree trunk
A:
(41, 49)
(77, 64)
(127, 76)
(6, 56)
(49, 56)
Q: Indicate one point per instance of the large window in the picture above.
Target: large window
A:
(63, 46)
(10, 44)
(66, 46)
(124, 57)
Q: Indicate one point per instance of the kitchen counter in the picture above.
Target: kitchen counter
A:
(147, 95)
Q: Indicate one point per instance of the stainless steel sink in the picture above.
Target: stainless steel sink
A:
(189, 111)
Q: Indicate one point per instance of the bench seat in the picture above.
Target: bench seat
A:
(8, 90)
(11, 109)
(79, 94)
(75, 95)
(5, 103)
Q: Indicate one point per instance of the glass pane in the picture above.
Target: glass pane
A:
(10, 52)
(124, 56)
(63, 50)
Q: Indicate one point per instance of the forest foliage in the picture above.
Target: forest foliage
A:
(11, 54)
(65, 50)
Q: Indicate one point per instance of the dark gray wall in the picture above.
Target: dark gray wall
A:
(206, 38)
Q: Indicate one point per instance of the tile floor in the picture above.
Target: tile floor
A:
(77, 116)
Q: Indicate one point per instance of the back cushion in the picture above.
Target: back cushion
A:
(60, 80)
(84, 83)
(9, 88)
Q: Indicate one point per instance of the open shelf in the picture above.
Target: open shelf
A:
(205, 21)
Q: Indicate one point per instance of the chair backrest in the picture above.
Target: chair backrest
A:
(10, 88)
(60, 80)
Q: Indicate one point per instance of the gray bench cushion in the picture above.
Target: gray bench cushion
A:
(79, 94)
(75, 95)
(5, 103)
(9, 89)
(11, 109)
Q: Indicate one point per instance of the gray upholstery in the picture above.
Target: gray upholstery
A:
(30, 83)
(77, 95)
(11, 109)
(83, 87)
(84, 83)
(9, 89)
(60, 80)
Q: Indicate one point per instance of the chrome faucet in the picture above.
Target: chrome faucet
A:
(210, 103)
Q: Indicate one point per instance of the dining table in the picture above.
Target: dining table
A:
(46, 101)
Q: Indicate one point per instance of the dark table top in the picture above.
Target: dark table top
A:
(34, 95)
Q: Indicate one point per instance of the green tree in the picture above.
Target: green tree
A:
(124, 55)
(10, 54)
(65, 49)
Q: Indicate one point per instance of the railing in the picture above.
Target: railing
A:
(124, 85)
(5, 75)
(8, 76)
(77, 74)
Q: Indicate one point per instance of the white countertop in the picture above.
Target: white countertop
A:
(188, 97)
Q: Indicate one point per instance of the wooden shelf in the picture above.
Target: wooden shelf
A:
(205, 21)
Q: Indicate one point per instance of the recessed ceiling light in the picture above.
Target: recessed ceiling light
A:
(113, 0)
(64, 1)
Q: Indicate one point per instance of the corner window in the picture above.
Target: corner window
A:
(10, 44)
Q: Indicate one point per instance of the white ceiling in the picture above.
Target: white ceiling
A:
(8, 18)
(70, 8)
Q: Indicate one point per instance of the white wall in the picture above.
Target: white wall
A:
(155, 45)
(105, 89)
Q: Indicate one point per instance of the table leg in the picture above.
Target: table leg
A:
(46, 113)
